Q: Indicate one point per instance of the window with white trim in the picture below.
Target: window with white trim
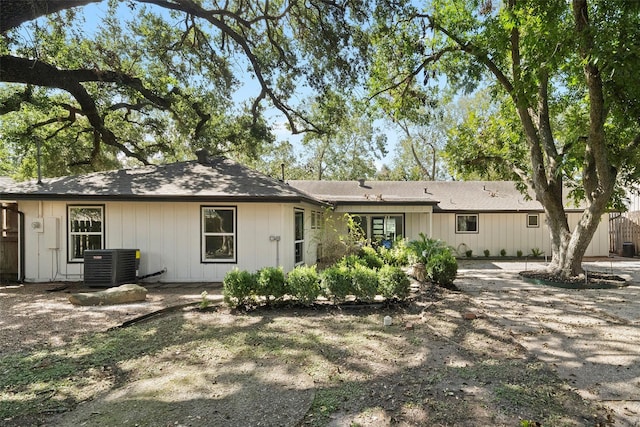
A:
(466, 223)
(533, 220)
(85, 225)
(299, 236)
(218, 234)
(317, 220)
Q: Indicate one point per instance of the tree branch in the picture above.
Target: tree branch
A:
(21, 70)
(14, 13)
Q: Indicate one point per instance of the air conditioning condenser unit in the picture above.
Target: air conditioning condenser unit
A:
(110, 267)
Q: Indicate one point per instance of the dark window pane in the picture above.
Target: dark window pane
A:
(299, 248)
(217, 247)
(299, 226)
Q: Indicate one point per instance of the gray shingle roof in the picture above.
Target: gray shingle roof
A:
(471, 196)
(220, 179)
(5, 182)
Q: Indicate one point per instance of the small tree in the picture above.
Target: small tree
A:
(335, 243)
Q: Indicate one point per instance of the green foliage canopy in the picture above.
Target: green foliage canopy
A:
(153, 80)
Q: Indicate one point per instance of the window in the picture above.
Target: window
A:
(533, 221)
(317, 220)
(86, 230)
(218, 234)
(467, 223)
(386, 229)
(299, 236)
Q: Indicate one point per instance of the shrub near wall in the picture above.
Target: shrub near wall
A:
(271, 283)
(336, 282)
(303, 283)
(239, 288)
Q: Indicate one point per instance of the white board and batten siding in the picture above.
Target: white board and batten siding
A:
(168, 235)
(509, 231)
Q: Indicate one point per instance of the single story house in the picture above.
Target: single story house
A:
(196, 220)
(467, 215)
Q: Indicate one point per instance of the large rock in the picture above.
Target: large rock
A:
(119, 295)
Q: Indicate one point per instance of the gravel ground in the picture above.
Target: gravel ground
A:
(590, 337)
(39, 315)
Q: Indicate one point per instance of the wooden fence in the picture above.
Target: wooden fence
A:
(8, 244)
(624, 231)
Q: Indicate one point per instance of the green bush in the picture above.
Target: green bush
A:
(468, 253)
(537, 252)
(442, 268)
(303, 283)
(370, 257)
(503, 252)
(420, 250)
(397, 255)
(487, 253)
(239, 287)
(336, 282)
(271, 283)
(351, 261)
(365, 282)
(519, 253)
(393, 282)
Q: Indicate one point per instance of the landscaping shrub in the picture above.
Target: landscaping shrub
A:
(239, 287)
(393, 282)
(397, 255)
(370, 257)
(351, 261)
(336, 282)
(365, 282)
(271, 283)
(422, 249)
(487, 253)
(303, 283)
(537, 252)
(442, 268)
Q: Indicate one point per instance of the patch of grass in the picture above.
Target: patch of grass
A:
(524, 388)
(329, 400)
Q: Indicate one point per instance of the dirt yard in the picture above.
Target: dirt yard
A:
(498, 352)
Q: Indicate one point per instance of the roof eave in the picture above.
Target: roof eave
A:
(162, 198)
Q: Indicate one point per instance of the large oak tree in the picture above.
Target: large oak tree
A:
(155, 79)
(563, 76)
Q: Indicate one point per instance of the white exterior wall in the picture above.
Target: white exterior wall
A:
(168, 235)
(509, 231)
